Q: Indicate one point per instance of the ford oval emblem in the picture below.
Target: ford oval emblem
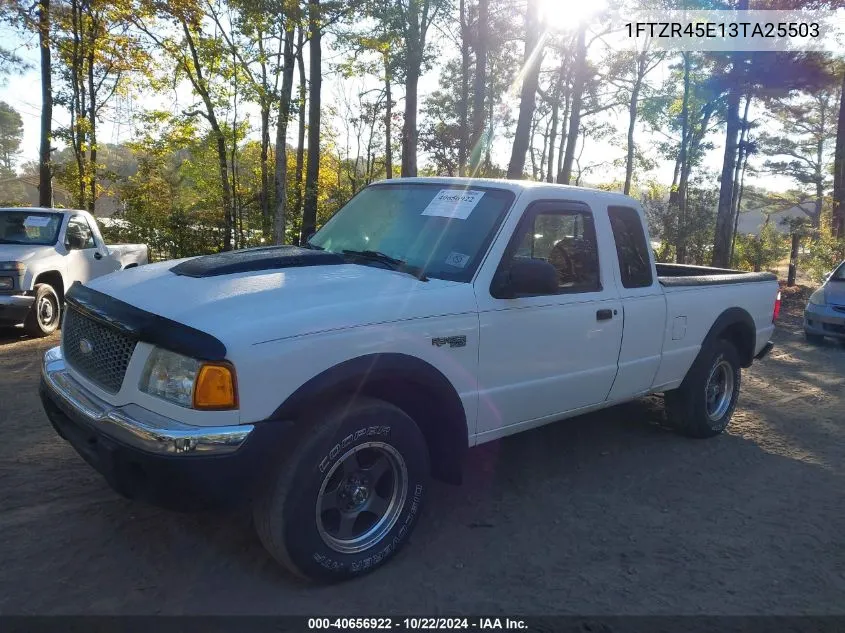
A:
(85, 346)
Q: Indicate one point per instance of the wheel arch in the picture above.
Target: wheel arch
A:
(413, 385)
(737, 326)
(54, 279)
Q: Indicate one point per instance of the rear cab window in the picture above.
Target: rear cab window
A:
(631, 248)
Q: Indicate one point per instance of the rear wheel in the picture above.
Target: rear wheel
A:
(348, 494)
(704, 403)
(45, 313)
(813, 338)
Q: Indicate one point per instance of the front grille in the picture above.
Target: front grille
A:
(833, 327)
(99, 353)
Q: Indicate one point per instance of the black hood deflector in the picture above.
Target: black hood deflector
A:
(253, 259)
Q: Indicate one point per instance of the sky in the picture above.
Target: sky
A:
(23, 93)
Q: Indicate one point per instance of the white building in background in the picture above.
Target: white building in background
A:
(751, 222)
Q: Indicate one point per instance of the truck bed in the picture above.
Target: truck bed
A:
(674, 275)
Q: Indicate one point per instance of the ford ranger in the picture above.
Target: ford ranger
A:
(327, 383)
(42, 253)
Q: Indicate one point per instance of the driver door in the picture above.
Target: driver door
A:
(544, 355)
(85, 261)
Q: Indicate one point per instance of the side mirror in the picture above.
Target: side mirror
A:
(526, 277)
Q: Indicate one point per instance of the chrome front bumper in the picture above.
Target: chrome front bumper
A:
(131, 424)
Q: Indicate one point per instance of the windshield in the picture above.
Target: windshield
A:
(442, 230)
(839, 273)
(23, 226)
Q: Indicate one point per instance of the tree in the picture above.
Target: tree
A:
(629, 71)
(312, 169)
(11, 135)
(414, 19)
(802, 148)
(96, 52)
(534, 41)
(838, 214)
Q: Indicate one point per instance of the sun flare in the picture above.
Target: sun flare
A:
(567, 15)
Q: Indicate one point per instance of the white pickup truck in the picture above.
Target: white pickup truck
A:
(42, 253)
(327, 383)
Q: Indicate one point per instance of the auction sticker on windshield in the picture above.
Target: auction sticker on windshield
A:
(33, 221)
(453, 203)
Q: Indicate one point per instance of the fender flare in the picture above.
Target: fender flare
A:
(743, 333)
(412, 384)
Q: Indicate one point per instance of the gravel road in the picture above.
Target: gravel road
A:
(606, 514)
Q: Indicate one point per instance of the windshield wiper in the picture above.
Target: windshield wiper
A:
(313, 247)
(392, 262)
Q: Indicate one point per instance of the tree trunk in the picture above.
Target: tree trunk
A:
(409, 128)
(743, 134)
(463, 100)
(632, 120)
(838, 217)
(681, 194)
(388, 117)
(45, 185)
(312, 170)
(793, 260)
(722, 240)
(479, 85)
(738, 204)
(565, 174)
(92, 123)
(281, 171)
(300, 138)
(531, 78)
(264, 101)
(222, 159)
(818, 176)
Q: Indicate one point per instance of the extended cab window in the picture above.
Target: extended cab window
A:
(631, 248)
(565, 239)
(79, 235)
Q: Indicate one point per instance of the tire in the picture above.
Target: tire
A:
(716, 371)
(335, 463)
(45, 314)
(815, 339)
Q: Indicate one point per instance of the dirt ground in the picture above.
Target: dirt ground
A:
(606, 514)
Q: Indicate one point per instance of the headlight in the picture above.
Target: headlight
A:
(6, 283)
(817, 298)
(16, 267)
(188, 382)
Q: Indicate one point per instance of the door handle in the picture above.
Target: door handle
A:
(98, 255)
(604, 315)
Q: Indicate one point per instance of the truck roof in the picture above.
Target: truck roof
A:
(42, 210)
(518, 186)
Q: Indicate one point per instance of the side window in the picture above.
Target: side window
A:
(631, 249)
(79, 235)
(567, 240)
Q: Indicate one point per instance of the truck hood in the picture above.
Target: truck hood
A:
(21, 252)
(258, 306)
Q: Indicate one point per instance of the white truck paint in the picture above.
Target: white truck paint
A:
(518, 363)
(43, 252)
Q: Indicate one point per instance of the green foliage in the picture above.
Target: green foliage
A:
(11, 135)
(822, 254)
(665, 226)
(760, 252)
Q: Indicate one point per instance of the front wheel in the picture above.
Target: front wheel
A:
(45, 314)
(704, 403)
(348, 494)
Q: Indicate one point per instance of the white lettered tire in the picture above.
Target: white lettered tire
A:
(347, 494)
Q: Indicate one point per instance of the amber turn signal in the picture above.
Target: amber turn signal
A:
(215, 387)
